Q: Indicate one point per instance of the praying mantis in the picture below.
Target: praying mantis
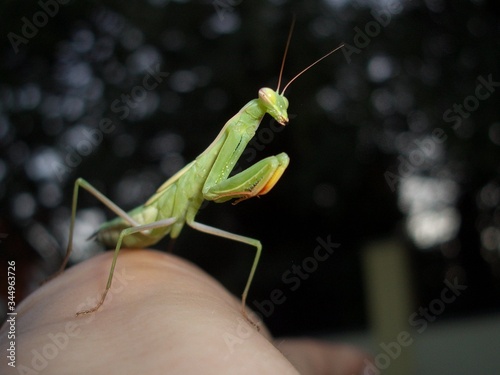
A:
(178, 200)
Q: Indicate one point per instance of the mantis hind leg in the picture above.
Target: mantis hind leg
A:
(123, 234)
(81, 183)
(235, 237)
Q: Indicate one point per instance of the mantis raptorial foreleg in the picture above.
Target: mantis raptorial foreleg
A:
(257, 179)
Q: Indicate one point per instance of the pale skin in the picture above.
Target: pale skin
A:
(162, 315)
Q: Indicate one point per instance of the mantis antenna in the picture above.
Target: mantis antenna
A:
(284, 55)
(309, 67)
(305, 69)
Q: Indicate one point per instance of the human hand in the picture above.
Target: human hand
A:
(162, 315)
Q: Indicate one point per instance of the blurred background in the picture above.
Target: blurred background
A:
(387, 220)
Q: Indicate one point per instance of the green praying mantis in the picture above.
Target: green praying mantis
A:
(178, 200)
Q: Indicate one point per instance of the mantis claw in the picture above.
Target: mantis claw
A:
(249, 320)
(95, 308)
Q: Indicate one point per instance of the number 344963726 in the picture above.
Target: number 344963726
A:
(11, 288)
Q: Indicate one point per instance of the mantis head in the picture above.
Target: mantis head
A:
(275, 104)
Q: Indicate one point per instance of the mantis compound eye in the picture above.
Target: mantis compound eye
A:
(268, 96)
